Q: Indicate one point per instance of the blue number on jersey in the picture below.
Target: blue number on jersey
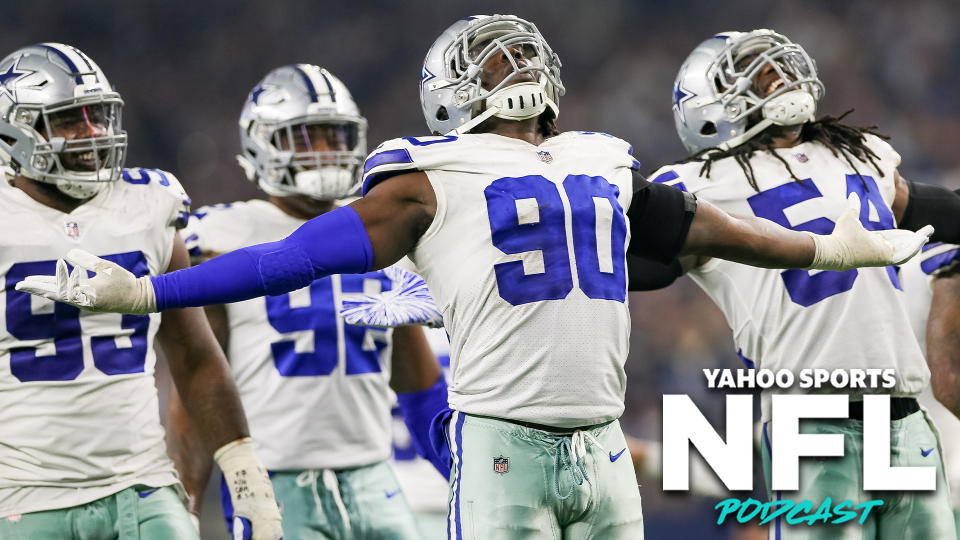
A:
(544, 230)
(320, 317)
(804, 288)
(63, 327)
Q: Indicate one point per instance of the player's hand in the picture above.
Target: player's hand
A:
(407, 303)
(112, 289)
(852, 246)
(255, 511)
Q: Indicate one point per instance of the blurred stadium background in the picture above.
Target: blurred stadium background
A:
(185, 68)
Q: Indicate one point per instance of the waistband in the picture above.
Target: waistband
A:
(543, 427)
(900, 407)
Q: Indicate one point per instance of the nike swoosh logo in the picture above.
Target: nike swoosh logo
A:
(614, 457)
(147, 493)
(926, 453)
(391, 494)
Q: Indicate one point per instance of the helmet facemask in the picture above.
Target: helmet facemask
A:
(77, 145)
(296, 159)
(737, 66)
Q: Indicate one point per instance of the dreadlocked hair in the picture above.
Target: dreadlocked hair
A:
(843, 141)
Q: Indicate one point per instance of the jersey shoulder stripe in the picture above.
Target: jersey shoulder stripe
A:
(406, 154)
(938, 257)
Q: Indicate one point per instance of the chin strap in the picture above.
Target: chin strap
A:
(788, 109)
(519, 101)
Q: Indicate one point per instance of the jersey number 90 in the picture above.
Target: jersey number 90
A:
(527, 214)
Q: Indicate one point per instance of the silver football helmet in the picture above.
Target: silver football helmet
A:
(60, 120)
(302, 134)
(714, 95)
(451, 93)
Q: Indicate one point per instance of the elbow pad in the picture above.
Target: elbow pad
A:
(660, 218)
(933, 205)
(649, 275)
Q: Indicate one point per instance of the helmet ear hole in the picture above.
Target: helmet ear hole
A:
(708, 128)
(442, 114)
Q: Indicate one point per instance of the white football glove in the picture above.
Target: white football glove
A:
(112, 289)
(852, 246)
(407, 303)
(254, 506)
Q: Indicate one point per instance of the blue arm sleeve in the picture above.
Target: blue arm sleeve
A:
(334, 243)
(426, 415)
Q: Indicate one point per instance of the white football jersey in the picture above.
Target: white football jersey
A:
(797, 319)
(77, 396)
(917, 276)
(525, 259)
(315, 390)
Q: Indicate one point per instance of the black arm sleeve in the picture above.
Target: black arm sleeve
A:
(648, 275)
(933, 205)
(660, 218)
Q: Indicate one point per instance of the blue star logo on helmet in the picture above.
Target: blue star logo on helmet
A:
(425, 76)
(680, 96)
(255, 93)
(9, 78)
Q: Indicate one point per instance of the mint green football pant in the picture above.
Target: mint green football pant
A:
(510, 481)
(136, 513)
(907, 515)
(359, 503)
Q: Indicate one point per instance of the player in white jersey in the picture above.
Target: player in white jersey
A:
(932, 284)
(315, 389)
(82, 453)
(744, 104)
(521, 233)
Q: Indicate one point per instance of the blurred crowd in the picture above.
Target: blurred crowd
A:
(185, 68)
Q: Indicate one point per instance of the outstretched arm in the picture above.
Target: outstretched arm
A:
(706, 231)
(371, 233)
(749, 240)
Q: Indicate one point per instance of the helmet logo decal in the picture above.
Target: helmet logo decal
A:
(680, 96)
(425, 76)
(255, 93)
(10, 78)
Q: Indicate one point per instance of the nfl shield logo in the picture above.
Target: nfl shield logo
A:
(72, 229)
(501, 465)
(801, 157)
(545, 157)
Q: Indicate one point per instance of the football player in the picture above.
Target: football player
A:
(83, 453)
(315, 390)
(744, 105)
(521, 233)
(932, 283)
